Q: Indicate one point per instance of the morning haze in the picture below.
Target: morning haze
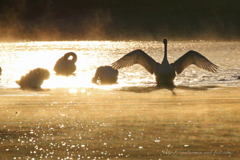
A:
(119, 79)
(119, 20)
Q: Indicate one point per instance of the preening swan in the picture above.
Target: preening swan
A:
(105, 75)
(34, 79)
(165, 72)
(66, 66)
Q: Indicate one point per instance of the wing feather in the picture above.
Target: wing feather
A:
(193, 57)
(136, 57)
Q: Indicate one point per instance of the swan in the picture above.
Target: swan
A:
(105, 75)
(66, 66)
(165, 72)
(34, 79)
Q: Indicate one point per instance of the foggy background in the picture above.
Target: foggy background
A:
(119, 19)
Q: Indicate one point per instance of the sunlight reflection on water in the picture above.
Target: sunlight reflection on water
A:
(18, 58)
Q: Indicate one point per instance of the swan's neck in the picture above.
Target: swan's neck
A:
(74, 58)
(165, 60)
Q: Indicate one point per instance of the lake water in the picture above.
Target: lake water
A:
(16, 59)
(119, 123)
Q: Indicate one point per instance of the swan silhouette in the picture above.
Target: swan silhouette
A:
(105, 75)
(165, 72)
(34, 79)
(66, 66)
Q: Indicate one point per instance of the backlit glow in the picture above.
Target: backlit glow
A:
(17, 59)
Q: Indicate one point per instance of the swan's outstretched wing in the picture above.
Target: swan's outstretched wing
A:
(136, 57)
(193, 57)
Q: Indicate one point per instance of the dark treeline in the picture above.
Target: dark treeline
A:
(119, 19)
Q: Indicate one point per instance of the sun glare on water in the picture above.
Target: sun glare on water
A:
(17, 59)
(86, 66)
(20, 58)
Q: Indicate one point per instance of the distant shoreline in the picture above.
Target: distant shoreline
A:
(172, 39)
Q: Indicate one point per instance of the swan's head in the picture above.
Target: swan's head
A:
(71, 56)
(165, 41)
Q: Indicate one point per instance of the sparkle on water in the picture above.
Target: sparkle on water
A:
(58, 132)
(18, 58)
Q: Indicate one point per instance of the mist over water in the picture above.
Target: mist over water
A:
(87, 121)
(114, 20)
(17, 59)
(82, 122)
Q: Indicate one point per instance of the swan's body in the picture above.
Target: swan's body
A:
(65, 66)
(34, 79)
(165, 72)
(105, 75)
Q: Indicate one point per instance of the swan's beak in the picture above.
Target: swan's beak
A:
(165, 41)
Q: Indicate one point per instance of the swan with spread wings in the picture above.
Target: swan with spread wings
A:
(165, 72)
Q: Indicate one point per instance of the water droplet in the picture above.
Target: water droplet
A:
(186, 145)
(82, 145)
